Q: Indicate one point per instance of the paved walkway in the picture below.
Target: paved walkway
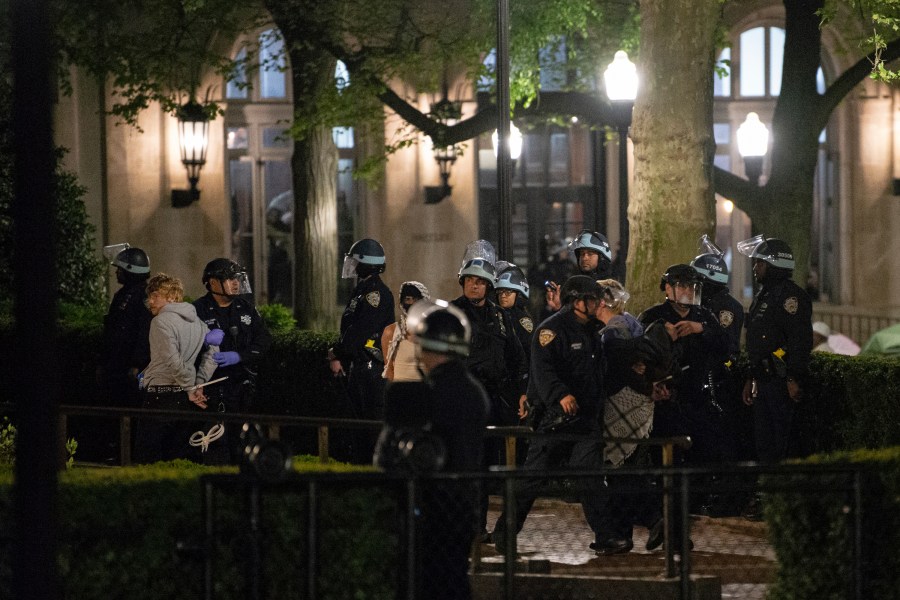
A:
(734, 549)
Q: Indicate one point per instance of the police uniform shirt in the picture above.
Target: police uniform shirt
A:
(563, 362)
(245, 333)
(730, 315)
(693, 352)
(369, 311)
(523, 325)
(126, 330)
(496, 357)
(781, 317)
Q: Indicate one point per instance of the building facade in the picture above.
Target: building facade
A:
(566, 179)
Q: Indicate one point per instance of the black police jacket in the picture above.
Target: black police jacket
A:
(369, 311)
(730, 314)
(563, 362)
(523, 326)
(126, 331)
(245, 333)
(693, 353)
(496, 357)
(780, 318)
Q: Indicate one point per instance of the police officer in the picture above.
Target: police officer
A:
(357, 353)
(564, 390)
(779, 341)
(725, 383)
(242, 337)
(512, 288)
(593, 257)
(126, 328)
(699, 342)
(496, 358)
(452, 407)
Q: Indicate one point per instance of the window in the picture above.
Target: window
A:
(761, 54)
(269, 81)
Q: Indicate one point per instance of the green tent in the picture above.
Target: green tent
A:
(885, 341)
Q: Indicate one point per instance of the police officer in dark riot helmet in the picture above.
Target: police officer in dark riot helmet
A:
(593, 258)
(512, 292)
(725, 381)
(700, 341)
(126, 328)
(438, 425)
(242, 338)
(564, 387)
(779, 341)
(496, 358)
(357, 353)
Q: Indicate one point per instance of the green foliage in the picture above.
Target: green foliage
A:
(130, 544)
(813, 528)
(882, 18)
(278, 318)
(7, 442)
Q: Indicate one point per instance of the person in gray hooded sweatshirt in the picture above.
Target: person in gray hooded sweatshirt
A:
(176, 368)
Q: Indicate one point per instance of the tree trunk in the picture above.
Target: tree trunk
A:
(314, 166)
(672, 202)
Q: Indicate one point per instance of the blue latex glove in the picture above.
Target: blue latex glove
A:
(226, 359)
(214, 337)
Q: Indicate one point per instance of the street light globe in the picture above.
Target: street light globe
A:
(752, 137)
(515, 142)
(621, 78)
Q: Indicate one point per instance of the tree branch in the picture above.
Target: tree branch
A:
(737, 189)
(849, 79)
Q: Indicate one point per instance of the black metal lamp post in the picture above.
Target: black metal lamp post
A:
(753, 143)
(621, 89)
(193, 136)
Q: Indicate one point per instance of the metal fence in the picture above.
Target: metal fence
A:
(704, 557)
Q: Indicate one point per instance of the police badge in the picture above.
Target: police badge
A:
(373, 298)
(545, 336)
(791, 305)
(527, 324)
(726, 318)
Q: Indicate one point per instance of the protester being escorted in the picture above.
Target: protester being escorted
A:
(357, 352)
(398, 349)
(238, 330)
(176, 342)
(496, 358)
(445, 416)
(125, 350)
(593, 258)
(637, 369)
(564, 389)
(700, 341)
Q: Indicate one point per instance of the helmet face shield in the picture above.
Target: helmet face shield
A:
(349, 268)
(708, 247)
(111, 252)
(687, 293)
(440, 327)
(748, 247)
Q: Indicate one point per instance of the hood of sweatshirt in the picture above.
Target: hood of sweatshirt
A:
(184, 310)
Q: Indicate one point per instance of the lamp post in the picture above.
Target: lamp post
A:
(504, 175)
(193, 137)
(753, 143)
(621, 88)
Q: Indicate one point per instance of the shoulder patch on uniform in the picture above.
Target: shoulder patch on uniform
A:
(545, 336)
(374, 298)
(726, 318)
(791, 304)
(246, 319)
(527, 324)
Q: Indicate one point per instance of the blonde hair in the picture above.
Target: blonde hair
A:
(170, 287)
(615, 305)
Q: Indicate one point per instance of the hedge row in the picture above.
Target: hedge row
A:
(813, 528)
(852, 402)
(118, 532)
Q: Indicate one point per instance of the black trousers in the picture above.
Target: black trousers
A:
(156, 439)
